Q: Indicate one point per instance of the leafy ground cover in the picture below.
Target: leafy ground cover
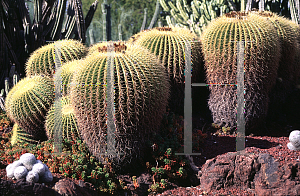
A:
(76, 161)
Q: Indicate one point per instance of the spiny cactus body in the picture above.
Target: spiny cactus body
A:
(169, 45)
(28, 102)
(262, 53)
(42, 60)
(67, 73)
(141, 90)
(288, 69)
(20, 136)
(288, 33)
(69, 125)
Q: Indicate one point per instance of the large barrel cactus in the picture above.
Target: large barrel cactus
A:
(169, 44)
(42, 60)
(68, 121)
(262, 55)
(141, 90)
(28, 102)
(287, 75)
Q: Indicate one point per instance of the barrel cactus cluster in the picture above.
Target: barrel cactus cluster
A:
(29, 101)
(141, 92)
(146, 75)
(265, 36)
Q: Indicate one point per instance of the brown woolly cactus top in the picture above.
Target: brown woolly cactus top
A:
(234, 14)
(118, 47)
(164, 28)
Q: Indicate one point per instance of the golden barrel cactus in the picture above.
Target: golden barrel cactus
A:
(262, 52)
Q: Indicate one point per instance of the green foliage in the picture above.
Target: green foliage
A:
(75, 162)
(196, 14)
(167, 166)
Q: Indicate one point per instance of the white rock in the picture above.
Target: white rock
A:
(10, 171)
(46, 167)
(20, 172)
(39, 168)
(292, 147)
(38, 161)
(32, 176)
(17, 163)
(295, 138)
(47, 177)
(28, 160)
(11, 167)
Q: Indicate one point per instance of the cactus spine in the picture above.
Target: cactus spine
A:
(288, 33)
(168, 44)
(262, 57)
(69, 125)
(68, 70)
(20, 136)
(41, 61)
(141, 92)
(28, 102)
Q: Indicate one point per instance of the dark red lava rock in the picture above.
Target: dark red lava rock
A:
(67, 187)
(258, 172)
(23, 188)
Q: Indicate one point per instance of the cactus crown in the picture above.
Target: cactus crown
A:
(164, 28)
(238, 15)
(119, 47)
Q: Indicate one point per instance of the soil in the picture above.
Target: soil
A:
(273, 141)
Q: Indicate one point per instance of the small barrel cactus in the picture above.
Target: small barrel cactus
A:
(69, 125)
(42, 60)
(67, 71)
(28, 102)
(294, 138)
(20, 136)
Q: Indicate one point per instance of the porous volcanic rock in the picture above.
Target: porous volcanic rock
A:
(259, 172)
(67, 187)
(21, 187)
